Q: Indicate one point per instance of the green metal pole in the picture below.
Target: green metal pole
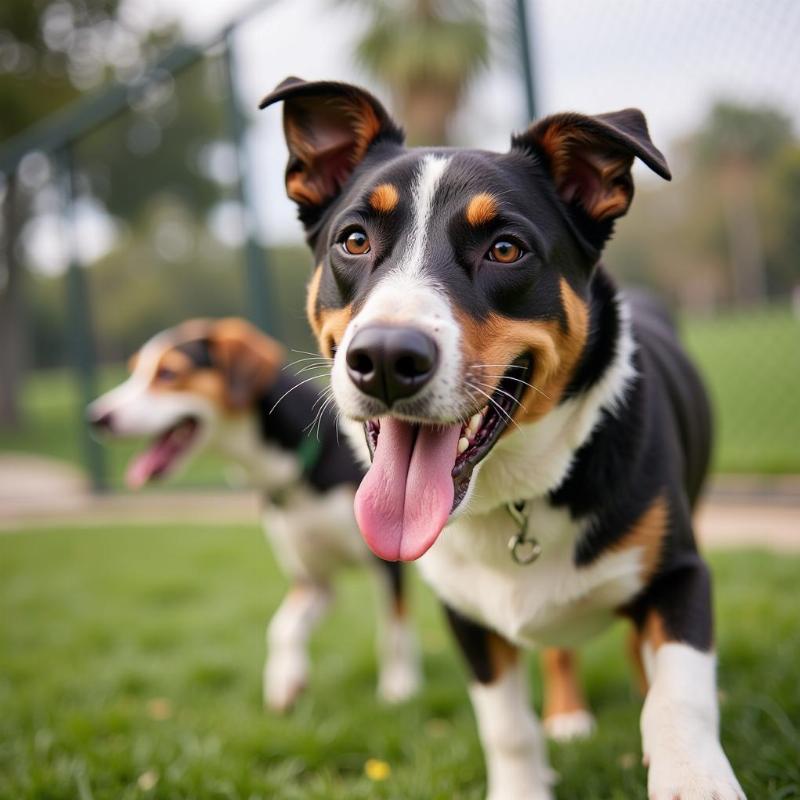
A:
(260, 294)
(525, 56)
(79, 324)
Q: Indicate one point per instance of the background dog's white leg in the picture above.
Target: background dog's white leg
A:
(286, 668)
(680, 727)
(398, 655)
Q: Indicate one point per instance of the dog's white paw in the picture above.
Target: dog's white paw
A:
(570, 726)
(398, 682)
(285, 678)
(704, 776)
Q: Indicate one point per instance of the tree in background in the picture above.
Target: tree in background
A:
(733, 150)
(49, 53)
(52, 51)
(726, 231)
(427, 52)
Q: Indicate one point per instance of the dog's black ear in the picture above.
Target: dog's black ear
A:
(590, 159)
(329, 128)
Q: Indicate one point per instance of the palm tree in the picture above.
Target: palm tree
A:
(427, 52)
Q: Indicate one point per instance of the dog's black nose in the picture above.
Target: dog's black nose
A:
(101, 422)
(390, 362)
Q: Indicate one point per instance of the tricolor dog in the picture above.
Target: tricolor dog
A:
(536, 440)
(222, 384)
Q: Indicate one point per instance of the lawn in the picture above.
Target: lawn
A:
(751, 361)
(130, 664)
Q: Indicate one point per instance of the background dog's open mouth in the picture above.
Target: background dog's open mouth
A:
(420, 473)
(158, 459)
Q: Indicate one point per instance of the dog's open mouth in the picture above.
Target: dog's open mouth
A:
(420, 473)
(163, 454)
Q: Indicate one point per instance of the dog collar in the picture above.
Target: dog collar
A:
(308, 453)
(524, 548)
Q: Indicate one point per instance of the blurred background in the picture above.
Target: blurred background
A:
(139, 186)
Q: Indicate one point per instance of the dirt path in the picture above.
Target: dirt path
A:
(36, 492)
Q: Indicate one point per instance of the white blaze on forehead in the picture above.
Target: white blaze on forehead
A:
(428, 179)
(150, 354)
(151, 351)
(406, 295)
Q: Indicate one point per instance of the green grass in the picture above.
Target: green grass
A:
(96, 624)
(751, 361)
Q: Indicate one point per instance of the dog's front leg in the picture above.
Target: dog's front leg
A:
(680, 718)
(286, 668)
(513, 744)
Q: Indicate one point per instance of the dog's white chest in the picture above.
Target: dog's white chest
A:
(549, 602)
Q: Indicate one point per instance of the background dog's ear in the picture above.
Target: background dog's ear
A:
(329, 127)
(590, 159)
(248, 359)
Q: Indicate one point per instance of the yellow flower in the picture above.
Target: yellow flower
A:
(147, 780)
(377, 770)
(159, 708)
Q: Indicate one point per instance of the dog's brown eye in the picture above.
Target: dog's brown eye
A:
(356, 243)
(505, 252)
(166, 374)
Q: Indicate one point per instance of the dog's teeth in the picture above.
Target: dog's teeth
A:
(463, 444)
(474, 423)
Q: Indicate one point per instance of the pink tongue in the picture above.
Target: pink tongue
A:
(406, 497)
(152, 462)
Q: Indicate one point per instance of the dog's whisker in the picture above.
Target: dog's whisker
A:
(323, 395)
(519, 380)
(310, 425)
(497, 406)
(502, 391)
(323, 408)
(308, 353)
(312, 362)
(316, 358)
(289, 391)
(325, 367)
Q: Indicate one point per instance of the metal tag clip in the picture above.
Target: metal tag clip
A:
(524, 549)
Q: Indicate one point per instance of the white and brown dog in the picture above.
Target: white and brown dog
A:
(535, 437)
(223, 385)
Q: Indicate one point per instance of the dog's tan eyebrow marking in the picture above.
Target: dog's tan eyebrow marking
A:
(384, 198)
(482, 208)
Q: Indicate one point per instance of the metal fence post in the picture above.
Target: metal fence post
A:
(259, 302)
(79, 322)
(526, 57)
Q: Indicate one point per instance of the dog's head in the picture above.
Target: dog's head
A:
(185, 384)
(450, 285)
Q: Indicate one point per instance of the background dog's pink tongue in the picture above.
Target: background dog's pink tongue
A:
(406, 497)
(151, 462)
